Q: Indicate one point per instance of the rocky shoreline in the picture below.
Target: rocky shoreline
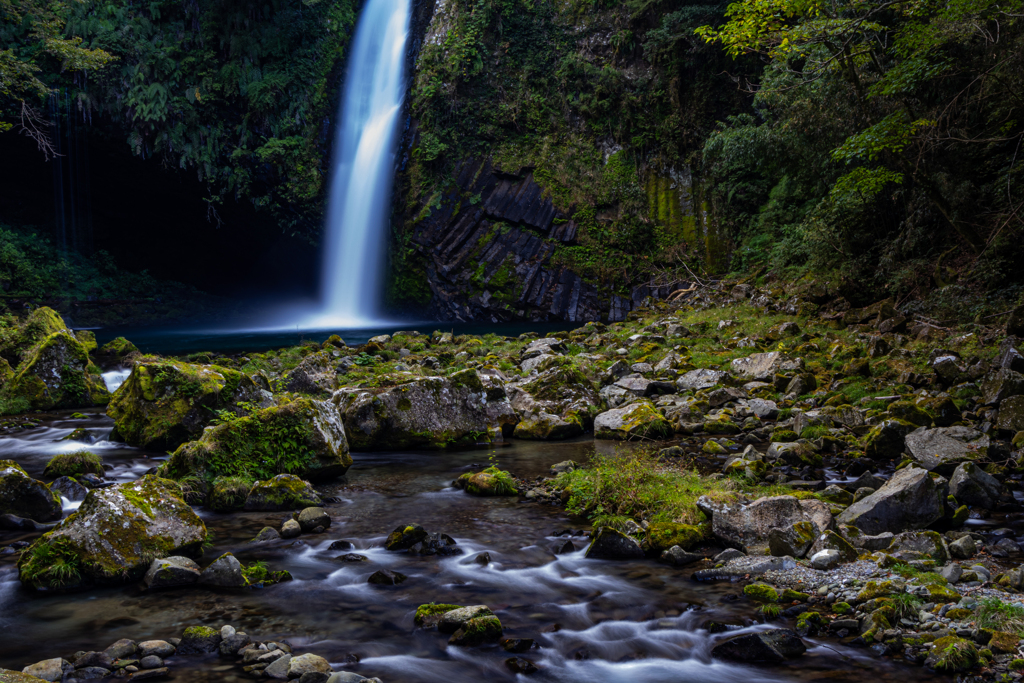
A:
(854, 471)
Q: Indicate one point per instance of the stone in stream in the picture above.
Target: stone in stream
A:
(773, 646)
(114, 535)
(519, 665)
(517, 644)
(386, 577)
(23, 496)
(225, 571)
(278, 669)
(282, 492)
(150, 662)
(311, 518)
(230, 645)
(55, 373)
(308, 663)
(909, 500)
(426, 412)
(94, 659)
(611, 544)
(677, 557)
(303, 436)
(405, 537)
(159, 648)
(454, 619)
(477, 631)
(170, 572)
(315, 677)
(47, 670)
(198, 640)
(69, 488)
(639, 420)
(267, 533)
(291, 529)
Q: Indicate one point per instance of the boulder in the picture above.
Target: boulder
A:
(1001, 385)
(405, 537)
(56, 373)
(748, 526)
(762, 367)
(677, 557)
(199, 640)
(278, 669)
(887, 439)
(828, 558)
(47, 670)
(830, 540)
(971, 485)
(114, 536)
(911, 546)
(547, 427)
(942, 449)
(765, 410)
(963, 548)
(793, 540)
(771, 646)
(639, 420)
(610, 544)
(561, 389)
(426, 412)
(170, 572)
(23, 496)
(165, 403)
(490, 482)
(283, 492)
(304, 436)
(739, 567)
(311, 518)
(68, 488)
(157, 648)
(291, 529)
(451, 620)
(315, 374)
(386, 577)
(695, 380)
(1011, 415)
(909, 500)
(225, 571)
(477, 631)
(308, 663)
(10, 676)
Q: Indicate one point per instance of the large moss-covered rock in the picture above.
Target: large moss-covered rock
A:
(23, 496)
(56, 373)
(10, 676)
(663, 535)
(639, 420)
(114, 536)
(426, 412)
(749, 526)
(547, 427)
(304, 437)
(972, 485)
(909, 500)
(314, 375)
(283, 492)
(886, 440)
(165, 403)
(562, 390)
(116, 349)
(34, 328)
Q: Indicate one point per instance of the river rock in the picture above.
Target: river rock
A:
(452, 620)
(304, 436)
(311, 518)
(562, 389)
(231, 644)
(943, 448)
(115, 535)
(971, 485)
(610, 544)
(23, 496)
(909, 500)
(1001, 385)
(278, 669)
(426, 412)
(93, 659)
(165, 403)
(267, 534)
(47, 670)
(315, 374)
(547, 427)
(910, 546)
(773, 646)
(793, 540)
(639, 420)
(290, 529)
(436, 543)
(738, 567)
(198, 640)
(158, 648)
(386, 577)
(405, 537)
(169, 572)
(225, 571)
(283, 492)
(676, 556)
(308, 663)
(748, 526)
(69, 488)
(477, 631)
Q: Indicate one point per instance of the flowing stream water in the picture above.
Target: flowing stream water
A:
(594, 620)
(360, 192)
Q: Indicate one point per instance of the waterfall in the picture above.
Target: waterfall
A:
(364, 160)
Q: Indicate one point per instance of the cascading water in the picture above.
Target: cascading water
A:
(365, 143)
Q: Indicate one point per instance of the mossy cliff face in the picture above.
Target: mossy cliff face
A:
(426, 412)
(165, 403)
(563, 181)
(114, 536)
(304, 437)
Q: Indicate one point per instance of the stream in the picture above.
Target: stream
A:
(593, 620)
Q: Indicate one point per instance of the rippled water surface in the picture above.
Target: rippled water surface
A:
(594, 620)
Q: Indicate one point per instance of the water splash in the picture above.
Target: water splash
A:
(360, 192)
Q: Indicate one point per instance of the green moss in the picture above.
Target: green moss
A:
(842, 608)
(73, 464)
(199, 633)
(229, 493)
(663, 535)
(430, 610)
(760, 592)
(954, 655)
(875, 589)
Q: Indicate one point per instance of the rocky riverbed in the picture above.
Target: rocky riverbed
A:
(760, 483)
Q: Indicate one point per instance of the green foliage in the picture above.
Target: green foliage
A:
(993, 613)
(504, 484)
(51, 562)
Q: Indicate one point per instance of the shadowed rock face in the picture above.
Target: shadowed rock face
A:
(477, 271)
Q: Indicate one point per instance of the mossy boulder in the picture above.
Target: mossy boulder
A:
(23, 496)
(1003, 642)
(427, 616)
(315, 374)
(229, 493)
(561, 389)
(405, 537)
(952, 654)
(761, 592)
(908, 411)
(34, 328)
(73, 464)
(9, 676)
(490, 482)
(639, 420)
(283, 492)
(793, 540)
(56, 373)
(909, 500)
(942, 410)
(548, 427)
(877, 589)
(940, 595)
(116, 349)
(165, 403)
(464, 408)
(114, 536)
(887, 439)
(477, 631)
(663, 535)
(304, 436)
